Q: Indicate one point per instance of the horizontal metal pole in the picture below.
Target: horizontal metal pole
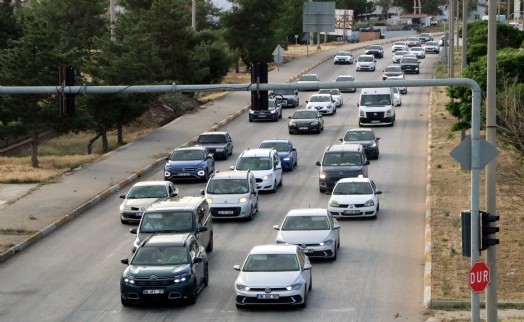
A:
(86, 89)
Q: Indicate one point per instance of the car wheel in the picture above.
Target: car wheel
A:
(124, 301)
(206, 276)
(322, 190)
(274, 186)
(281, 181)
(304, 303)
(250, 120)
(319, 130)
(310, 282)
(334, 111)
(378, 207)
(191, 298)
(209, 247)
(338, 242)
(334, 258)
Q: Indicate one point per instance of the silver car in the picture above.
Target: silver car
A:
(273, 274)
(313, 229)
(141, 195)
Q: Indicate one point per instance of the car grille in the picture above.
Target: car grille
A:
(359, 205)
(182, 169)
(302, 124)
(156, 281)
(281, 300)
(258, 180)
(375, 115)
(216, 212)
(262, 289)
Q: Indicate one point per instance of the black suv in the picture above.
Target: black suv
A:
(375, 50)
(165, 268)
(410, 65)
(341, 161)
(219, 144)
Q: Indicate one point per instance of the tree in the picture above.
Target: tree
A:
(359, 7)
(507, 37)
(249, 29)
(9, 28)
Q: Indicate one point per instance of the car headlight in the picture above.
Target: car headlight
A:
(242, 200)
(125, 208)
(327, 242)
(416, 68)
(201, 173)
(287, 158)
(369, 203)
(294, 287)
(314, 123)
(182, 278)
(267, 177)
(167, 173)
(388, 113)
(209, 200)
(251, 112)
(129, 279)
(272, 111)
(220, 149)
(362, 113)
(323, 175)
(242, 287)
(333, 203)
(292, 123)
(372, 145)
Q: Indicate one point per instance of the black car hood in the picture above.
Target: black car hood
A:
(342, 169)
(213, 145)
(158, 270)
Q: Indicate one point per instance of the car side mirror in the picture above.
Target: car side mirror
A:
(197, 260)
(231, 167)
(202, 192)
(289, 117)
(341, 140)
(202, 229)
(195, 141)
(307, 266)
(318, 163)
(377, 139)
(358, 104)
(166, 158)
(124, 261)
(276, 227)
(367, 162)
(236, 267)
(307, 102)
(133, 231)
(378, 192)
(336, 226)
(122, 196)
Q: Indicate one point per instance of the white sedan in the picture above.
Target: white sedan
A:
(335, 93)
(324, 103)
(354, 197)
(273, 274)
(313, 229)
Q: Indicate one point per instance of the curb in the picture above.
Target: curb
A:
(427, 228)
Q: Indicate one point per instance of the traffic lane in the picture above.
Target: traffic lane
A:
(233, 242)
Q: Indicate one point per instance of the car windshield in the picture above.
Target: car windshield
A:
(431, 43)
(345, 79)
(343, 53)
(409, 61)
(400, 43)
(320, 98)
(254, 163)
(417, 49)
(138, 192)
(308, 78)
(305, 115)
(375, 100)
(329, 91)
(305, 223)
(353, 188)
(227, 186)
(284, 92)
(271, 263)
(187, 155)
(395, 69)
(401, 53)
(165, 255)
(271, 104)
(279, 146)
(168, 221)
(374, 47)
(359, 136)
(413, 39)
(341, 159)
(365, 59)
(211, 138)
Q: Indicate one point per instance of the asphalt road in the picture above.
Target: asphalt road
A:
(73, 275)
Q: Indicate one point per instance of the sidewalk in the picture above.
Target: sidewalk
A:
(41, 209)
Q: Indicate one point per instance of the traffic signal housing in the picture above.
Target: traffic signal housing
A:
(487, 238)
(70, 98)
(259, 75)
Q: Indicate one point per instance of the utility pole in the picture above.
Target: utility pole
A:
(464, 34)
(491, 168)
(193, 15)
(112, 18)
(451, 40)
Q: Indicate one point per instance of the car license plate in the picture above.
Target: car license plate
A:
(267, 296)
(156, 291)
(183, 174)
(351, 212)
(225, 212)
(375, 121)
(303, 128)
(307, 250)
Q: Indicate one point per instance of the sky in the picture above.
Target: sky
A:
(224, 4)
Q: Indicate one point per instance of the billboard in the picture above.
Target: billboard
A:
(318, 17)
(343, 22)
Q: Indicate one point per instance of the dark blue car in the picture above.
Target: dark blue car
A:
(286, 152)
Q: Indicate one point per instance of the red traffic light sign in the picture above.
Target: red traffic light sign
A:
(478, 277)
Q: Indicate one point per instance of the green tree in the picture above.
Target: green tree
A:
(359, 7)
(9, 28)
(507, 37)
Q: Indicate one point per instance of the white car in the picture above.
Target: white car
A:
(366, 62)
(141, 195)
(343, 57)
(264, 164)
(313, 229)
(397, 56)
(418, 51)
(354, 197)
(402, 90)
(346, 78)
(273, 274)
(397, 100)
(335, 93)
(414, 41)
(323, 103)
(308, 79)
(399, 45)
(431, 47)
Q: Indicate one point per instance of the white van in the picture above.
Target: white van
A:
(376, 107)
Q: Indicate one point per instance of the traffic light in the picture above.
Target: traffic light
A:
(486, 238)
(465, 218)
(259, 75)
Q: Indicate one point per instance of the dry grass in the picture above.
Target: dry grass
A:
(450, 193)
